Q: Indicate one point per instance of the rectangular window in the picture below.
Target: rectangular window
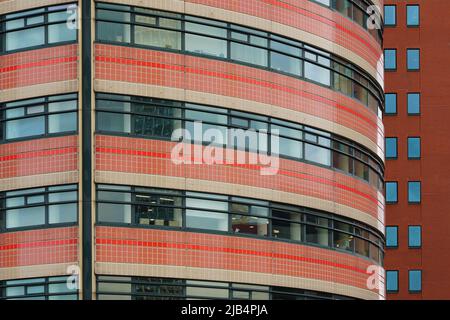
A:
(414, 191)
(390, 15)
(391, 148)
(390, 59)
(391, 236)
(391, 281)
(391, 103)
(413, 59)
(414, 148)
(285, 63)
(415, 281)
(413, 103)
(412, 15)
(210, 214)
(414, 236)
(391, 192)
(317, 70)
(39, 117)
(313, 151)
(206, 45)
(39, 27)
(39, 207)
(52, 288)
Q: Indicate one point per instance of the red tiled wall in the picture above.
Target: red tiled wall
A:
(38, 66)
(45, 246)
(119, 63)
(38, 156)
(310, 17)
(150, 246)
(154, 157)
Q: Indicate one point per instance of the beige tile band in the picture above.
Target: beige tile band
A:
(47, 179)
(44, 89)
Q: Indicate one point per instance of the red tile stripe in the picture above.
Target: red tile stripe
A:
(160, 155)
(261, 83)
(38, 244)
(151, 244)
(36, 154)
(42, 63)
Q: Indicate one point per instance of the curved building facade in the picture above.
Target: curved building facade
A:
(93, 203)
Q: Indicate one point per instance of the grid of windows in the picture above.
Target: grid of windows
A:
(145, 207)
(142, 288)
(214, 39)
(414, 148)
(391, 192)
(392, 281)
(52, 288)
(391, 147)
(155, 118)
(37, 28)
(38, 207)
(390, 59)
(413, 59)
(412, 15)
(414, 191)
(391, 236)
(38, 117)
(414, 236)
(356, 10)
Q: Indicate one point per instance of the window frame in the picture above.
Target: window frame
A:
(395, 55)
(420, 192)
(396, 184)
(397, 272)
(396, 148)
(407, 104)
(420, 234)
(409, 281)
(44, 24)
(407, 59)
(396, 104)
(408, 147)
(396, 237)
(395, 15)
(418, 16)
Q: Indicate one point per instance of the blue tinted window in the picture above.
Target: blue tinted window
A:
(413, 103)
(391, 148)
(390, 59)
(391, 192)
(390, 18)
(414, 191)
(414, 148)
(391, 236)
(415, 280)
(412, 15)
(414, 236)
(391, 281)
(391, 103)
(413, 59)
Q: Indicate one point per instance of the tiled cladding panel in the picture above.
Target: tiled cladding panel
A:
(35, 247)
(118, 63)
(309, 17)
(175, 248)
(131, 155)
(38, 156)
(32, 67)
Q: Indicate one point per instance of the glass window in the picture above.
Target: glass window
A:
(390, 59)
(25, 217)
(62, 122)
(413, 59)
(390, 15)
(391, 236)
(160, 210)
(160, 38)
(284, 63)
(324, 2)
(314, 70)
(34, 126)
(414, 148)
(414, 236)
(412, 15)
(414, 192)
(25, 38)
(287, 228)
(317, 235)
(203, 44)
(114, 122)
(391, 148)
(249, 54)
(391, 280)
(114, 212)
(413, 103)
(415, 280)
(391, 103)
(208, 216)
(391, 192)
(313, 151)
